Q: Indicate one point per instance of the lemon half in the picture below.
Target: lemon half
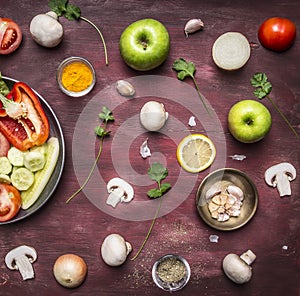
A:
(195, 153)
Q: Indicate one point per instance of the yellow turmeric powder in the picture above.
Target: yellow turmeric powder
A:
(76, 77)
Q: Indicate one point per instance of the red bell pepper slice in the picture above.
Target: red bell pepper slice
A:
(30, 128)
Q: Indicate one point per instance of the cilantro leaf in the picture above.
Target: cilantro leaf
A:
(165, 187)
(58, 6)
(154, 193)
(187, 69)
(184, 69)
(157, 172)
(262, 90)
(73, 12)
(106, 115)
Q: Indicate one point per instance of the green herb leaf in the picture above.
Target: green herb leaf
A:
(58, 6)
(154, 193)
(184, 69)
(100, 131)
(165, 187)
(4, 89)
(187, 69)
(73, 12)
(262, 85)
(106, 115)
(157, 172)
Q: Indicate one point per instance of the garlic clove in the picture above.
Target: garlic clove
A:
(125, 88)
(192, 26)
(145, 150)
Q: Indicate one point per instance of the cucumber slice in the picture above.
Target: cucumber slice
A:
(34, 161)
(42, 149)
(5, 165)
(42, 177)
(15, 156)
(4, 179)
(22, 178)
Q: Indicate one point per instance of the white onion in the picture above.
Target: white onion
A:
(70, 270)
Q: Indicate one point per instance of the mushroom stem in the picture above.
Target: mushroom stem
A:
(248, 257)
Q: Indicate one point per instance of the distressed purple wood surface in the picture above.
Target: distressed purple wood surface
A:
(79, 227)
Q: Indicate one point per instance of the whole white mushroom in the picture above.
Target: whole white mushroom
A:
(153, 116)
(114, 249)
(46, 30)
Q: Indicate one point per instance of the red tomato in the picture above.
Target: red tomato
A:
(10, 202)
(4, 145)
(10, 36)
(277, 33)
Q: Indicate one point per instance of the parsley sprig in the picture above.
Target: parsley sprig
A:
(101, 131)
(188, 69)
(73, 12)
(157, 172)
(262, 90)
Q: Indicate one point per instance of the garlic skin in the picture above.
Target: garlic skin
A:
(193, 26)
(153, 116)
(114, 250)
(46, 30)
(145, 150)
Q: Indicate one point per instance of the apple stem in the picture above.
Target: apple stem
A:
(284, 117)
(101, 36)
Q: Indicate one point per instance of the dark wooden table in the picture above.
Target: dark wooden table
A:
(80, 227)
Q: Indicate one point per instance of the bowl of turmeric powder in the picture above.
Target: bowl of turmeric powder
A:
(76, 76)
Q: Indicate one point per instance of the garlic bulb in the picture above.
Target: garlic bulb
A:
(153, 116)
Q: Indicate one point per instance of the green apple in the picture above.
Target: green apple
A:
(144, 44)
(249, 121)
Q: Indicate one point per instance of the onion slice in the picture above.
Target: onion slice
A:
(231, 51)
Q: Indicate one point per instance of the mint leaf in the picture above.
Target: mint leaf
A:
(157, 172)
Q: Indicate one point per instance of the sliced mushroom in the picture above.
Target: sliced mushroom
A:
(21, 258)
(237, 268)
(279, 176)
(119, 191)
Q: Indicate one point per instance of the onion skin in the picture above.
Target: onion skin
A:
(70, 270)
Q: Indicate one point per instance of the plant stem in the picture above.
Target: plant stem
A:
(101, 36)
(91, 171)
(149, 231)
(200, 96)
(284, 117)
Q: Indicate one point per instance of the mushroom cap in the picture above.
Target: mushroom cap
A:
(283, 167)
(17, 252)
(236, 269)
(118, 182)
(114, 249)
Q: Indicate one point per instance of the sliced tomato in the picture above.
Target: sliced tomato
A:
(10, 36)
(10, 202)
(4, 145)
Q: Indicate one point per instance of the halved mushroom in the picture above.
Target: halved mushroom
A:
(21, 258)
(119, 191)
(279, 176)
